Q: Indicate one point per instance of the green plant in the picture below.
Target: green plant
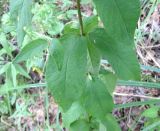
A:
(73, 71)
(81, 87)
(74, 75)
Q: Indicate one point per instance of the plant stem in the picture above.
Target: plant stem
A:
(80, 17)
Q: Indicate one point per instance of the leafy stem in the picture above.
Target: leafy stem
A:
(80, 17)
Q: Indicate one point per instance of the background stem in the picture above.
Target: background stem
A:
(80, 17)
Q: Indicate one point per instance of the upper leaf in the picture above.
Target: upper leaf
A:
(21, 11)
(119, 17)
(34, 48)
(15, 7)
(116, 42)
(25, 18)
(67, 83)
(121, 55)
(90, 23)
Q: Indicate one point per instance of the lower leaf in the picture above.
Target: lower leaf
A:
(73, 114)
(80, 125)
(110, 123)
(109, 79)
(98, 100)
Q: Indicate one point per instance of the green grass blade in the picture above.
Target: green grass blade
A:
(119, 106)
(150, 127)
(138, 84)
(4, 90)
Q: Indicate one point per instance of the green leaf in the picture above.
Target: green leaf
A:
(56, 51)
(71, 27)
(119, 17)
(80, 125)
(4, 68)
(5, 44)
(21, 71)
(116, 42)
(67, 83)
(98, 100)
(34, 48)
(57, 28)
(14, 75)
(110, 123)
(2, 51)
(73, 114)
(54, 67)
(21, 12)
(109, 79)
(151, 112)
(120, 55)
(90, 23)
(95, 58)
(15, 7)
